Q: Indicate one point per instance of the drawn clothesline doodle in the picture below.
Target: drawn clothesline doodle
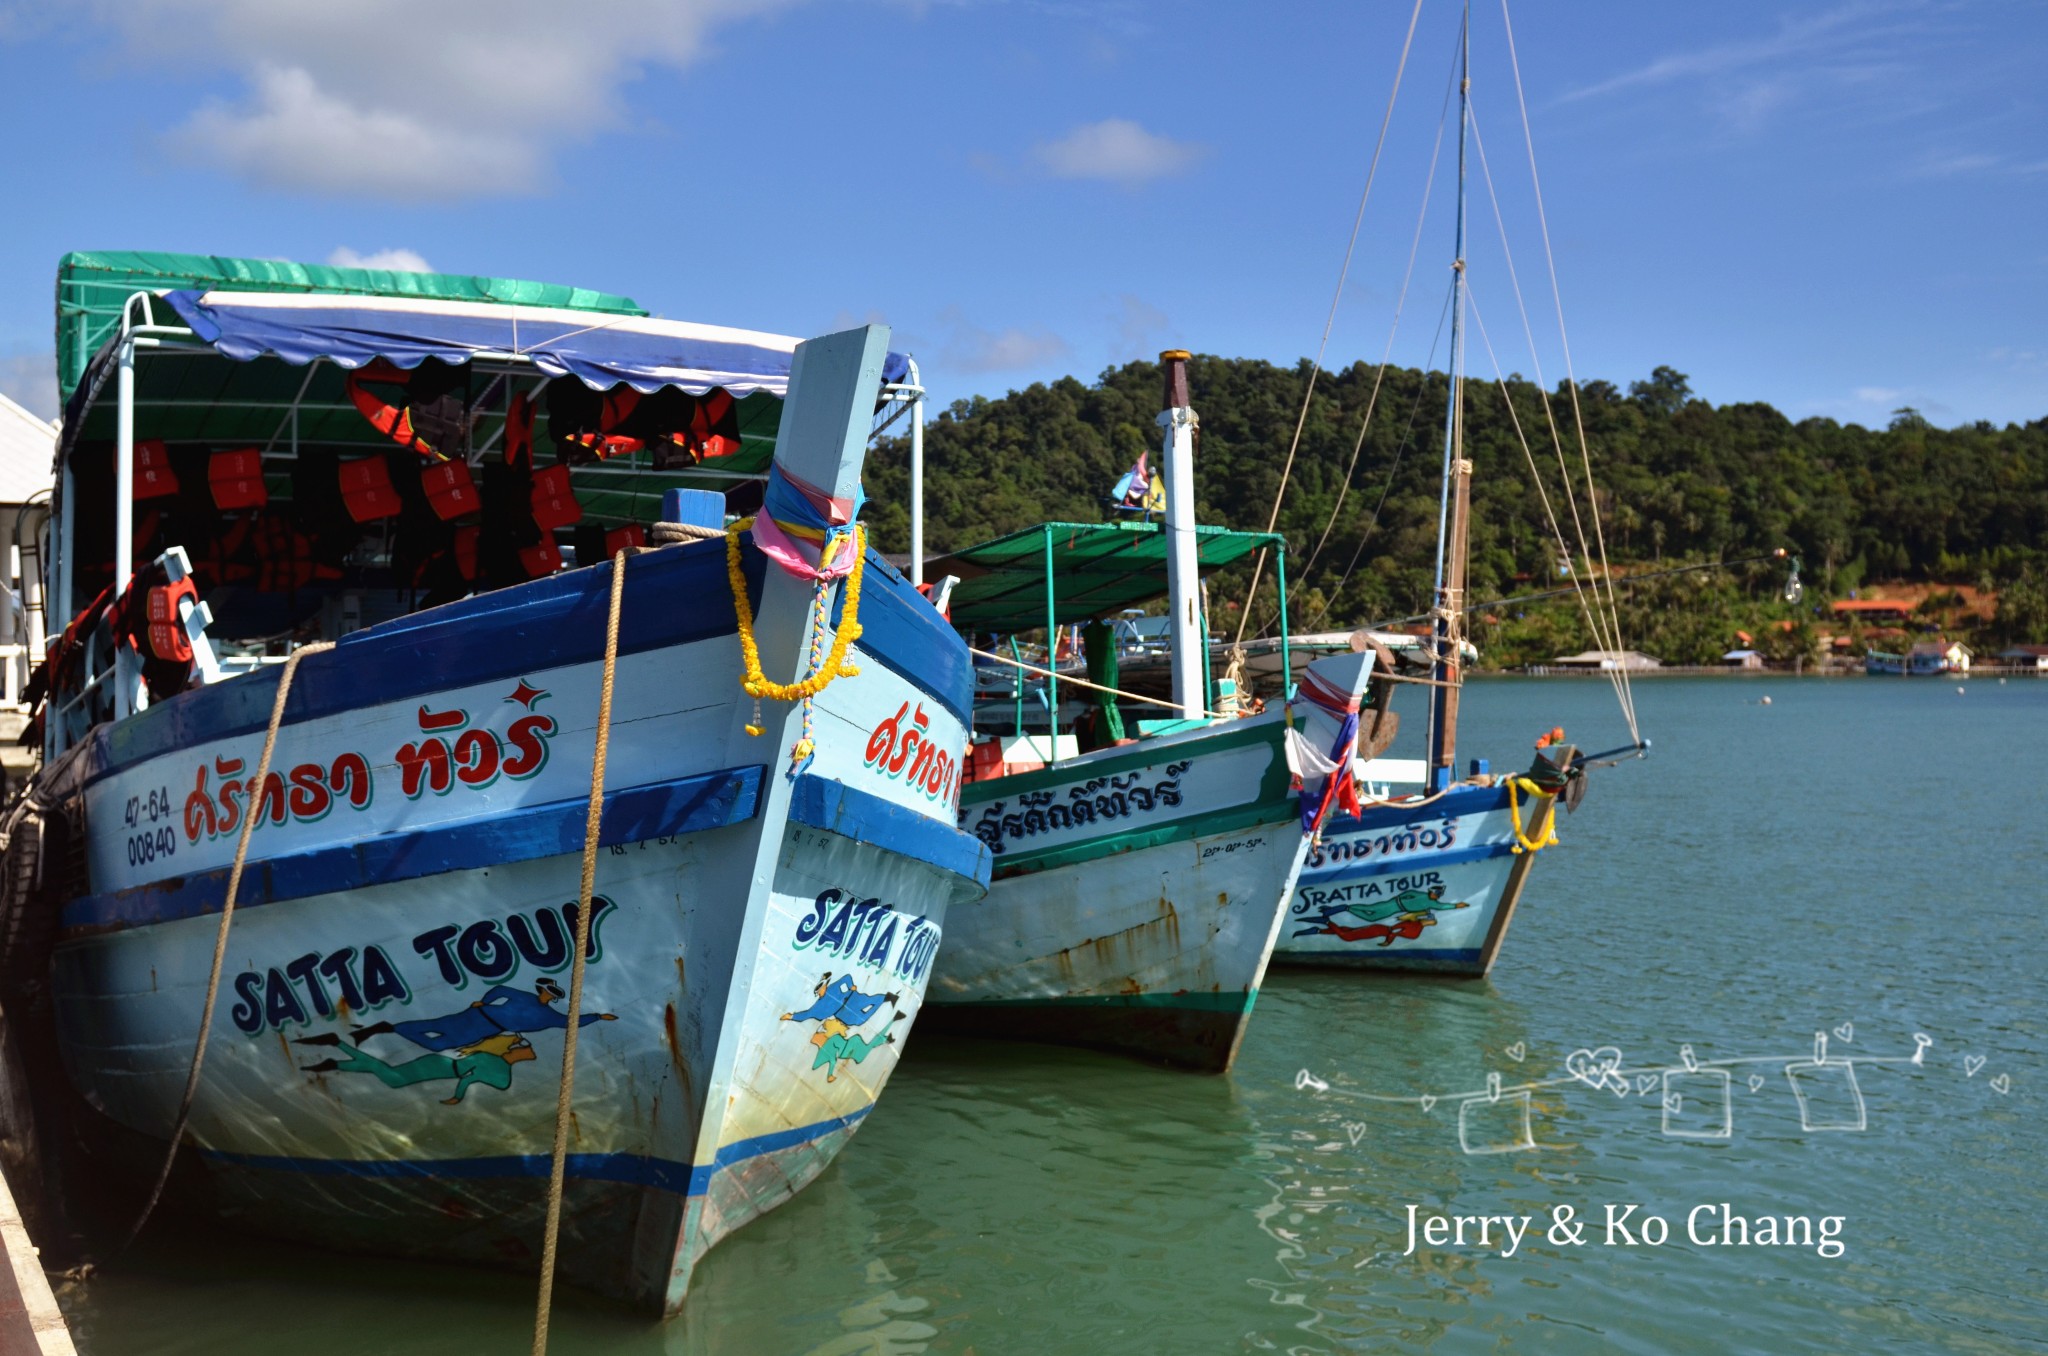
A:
(1696, 1096)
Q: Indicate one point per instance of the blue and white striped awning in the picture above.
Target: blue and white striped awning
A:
(602, 350)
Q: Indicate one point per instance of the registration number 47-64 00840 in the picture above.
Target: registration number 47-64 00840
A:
(144, 813)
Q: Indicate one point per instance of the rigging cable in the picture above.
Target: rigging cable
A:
(1603, 620)
(1557, 298)
(1594, 620)
(1343, 273)
(1400, 305)
(1400, 449)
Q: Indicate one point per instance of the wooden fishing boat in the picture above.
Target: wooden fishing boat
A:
(772, 875)
(1137, 885)
(1429, 879)
(1416, 881)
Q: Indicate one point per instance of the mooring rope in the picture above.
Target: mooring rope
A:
(592, 819)
(671, 534)
(227, 916)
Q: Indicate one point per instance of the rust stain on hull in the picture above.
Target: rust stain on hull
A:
(1126, 949)
(676, 1059)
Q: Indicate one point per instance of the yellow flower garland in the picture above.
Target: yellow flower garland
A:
(757, 684)
(1546, 833)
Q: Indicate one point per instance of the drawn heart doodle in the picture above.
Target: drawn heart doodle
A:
(1596, 1068)
(1427, 1102)
(1355, 1129)
(2002, 1084)
(1972, 1063)
(1518, 1051)
(1673, 1103)
(1644, 1082)
(1756, 1082)
(1846, 1031)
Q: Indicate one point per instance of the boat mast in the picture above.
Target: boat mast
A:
(1183, 576)
(1454, 507)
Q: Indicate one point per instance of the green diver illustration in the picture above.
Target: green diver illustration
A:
(478, 1044)
(1411, 912)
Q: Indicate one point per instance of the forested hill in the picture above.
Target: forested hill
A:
(1680, 480)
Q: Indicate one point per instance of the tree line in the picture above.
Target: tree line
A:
(1679, 481)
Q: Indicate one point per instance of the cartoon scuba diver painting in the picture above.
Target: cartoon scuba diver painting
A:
(836, 998)
(1411, 912)
(479, 1044)
(838, 1008)
(836, 1045)
(502, 1009)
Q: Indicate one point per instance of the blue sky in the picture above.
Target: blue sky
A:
(1836, 208)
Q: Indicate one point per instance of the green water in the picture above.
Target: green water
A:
(1861, 852)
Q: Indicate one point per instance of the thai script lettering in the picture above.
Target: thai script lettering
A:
(865, 931)
(448, 753)
(354, 980)
(1394, 842)
(910, 753)
(1100, 800)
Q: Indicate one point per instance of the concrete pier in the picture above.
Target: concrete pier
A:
(30, 1324)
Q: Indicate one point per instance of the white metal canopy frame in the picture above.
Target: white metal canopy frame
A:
(143, 332)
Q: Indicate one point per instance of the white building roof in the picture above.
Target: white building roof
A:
(28, 445)
(1610, 659)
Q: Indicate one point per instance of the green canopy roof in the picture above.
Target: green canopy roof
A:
(278, 407)
(92, 286)
(1097, 569)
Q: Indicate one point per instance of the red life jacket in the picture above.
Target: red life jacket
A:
(431, 413)
(236, 480)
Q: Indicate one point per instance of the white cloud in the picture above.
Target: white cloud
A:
(384, 97)
(969, 348)
(295, 135)
(1796, 39)
(1118, 150)
(395, 260)
(1856, 58)
(1877, 395)
(1139, 325)
(30, 380)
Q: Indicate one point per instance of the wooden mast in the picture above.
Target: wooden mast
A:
(1456, 504)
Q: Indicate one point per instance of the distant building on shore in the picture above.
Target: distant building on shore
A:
(2025, 657)
(1873, 609)
(1606, 659)
(1743, 659)
(1939, 656)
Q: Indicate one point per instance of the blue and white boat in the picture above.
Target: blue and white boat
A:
(773, 876)
(1429, 879)
(1423, 880)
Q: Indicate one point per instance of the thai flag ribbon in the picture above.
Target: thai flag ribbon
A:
(1340, 788)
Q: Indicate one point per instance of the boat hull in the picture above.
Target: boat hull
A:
(1432, 888)
(385, 1055)
(1144, 929)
